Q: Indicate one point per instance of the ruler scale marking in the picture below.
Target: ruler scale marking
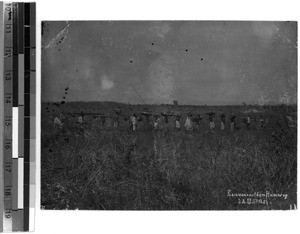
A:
(1, 111)
(32, 123)
(15, 122)
(26, 116)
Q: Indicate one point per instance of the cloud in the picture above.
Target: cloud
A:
(265, 31)
(160, 29)
(106, 83)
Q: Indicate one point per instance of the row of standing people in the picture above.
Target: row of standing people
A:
(189, 123)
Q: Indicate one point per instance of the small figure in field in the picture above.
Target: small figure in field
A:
(166, 117)
(81, 118)
(116, 121)
(232, 123)
(198, 119)
(261, 122)
(211, 116)
(222, 121)
(103, 121)
(140, 118)
(108, 121)
(266, 121)
(188, 122)
(117, 117)
(133, 121)
(156, 120)
(248, 122)
(177, 121)
(147, 115)
(57, 122)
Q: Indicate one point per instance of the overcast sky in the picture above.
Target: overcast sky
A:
(194, 62)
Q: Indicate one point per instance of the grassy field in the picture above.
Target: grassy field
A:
(92, 166)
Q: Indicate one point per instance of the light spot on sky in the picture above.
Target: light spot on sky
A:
(106, 84)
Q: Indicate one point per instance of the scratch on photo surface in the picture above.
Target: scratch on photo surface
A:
(59, 37)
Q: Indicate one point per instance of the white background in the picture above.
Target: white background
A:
(161, 222)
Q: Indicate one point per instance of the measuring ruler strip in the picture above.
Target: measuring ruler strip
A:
(8, 104)
(1, 115)
(17, 67)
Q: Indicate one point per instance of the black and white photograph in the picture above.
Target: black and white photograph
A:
(169, 115)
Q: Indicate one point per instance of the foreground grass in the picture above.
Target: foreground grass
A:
(112, 169)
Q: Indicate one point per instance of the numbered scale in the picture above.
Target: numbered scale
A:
(17, 131)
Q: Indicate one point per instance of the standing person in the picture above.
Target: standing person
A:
(248, 122)
(103, 120)
(147, 115)
(198, 119)
(232, 124)
(156, 120)
(177, 122)
(166, 125)
(116, 121)
(222, 121)
(188, 122)
(81, 118)
(58, 122)
(117, 117)
(108, 121)
(211, 116)
(261, 121)
(133, 121)
(166, 117)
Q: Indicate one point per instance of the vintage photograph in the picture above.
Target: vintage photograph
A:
(169, 115)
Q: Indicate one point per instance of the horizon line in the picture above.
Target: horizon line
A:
(160, 104)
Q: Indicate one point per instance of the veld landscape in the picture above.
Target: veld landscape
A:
(98, 166)
(106, 72)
